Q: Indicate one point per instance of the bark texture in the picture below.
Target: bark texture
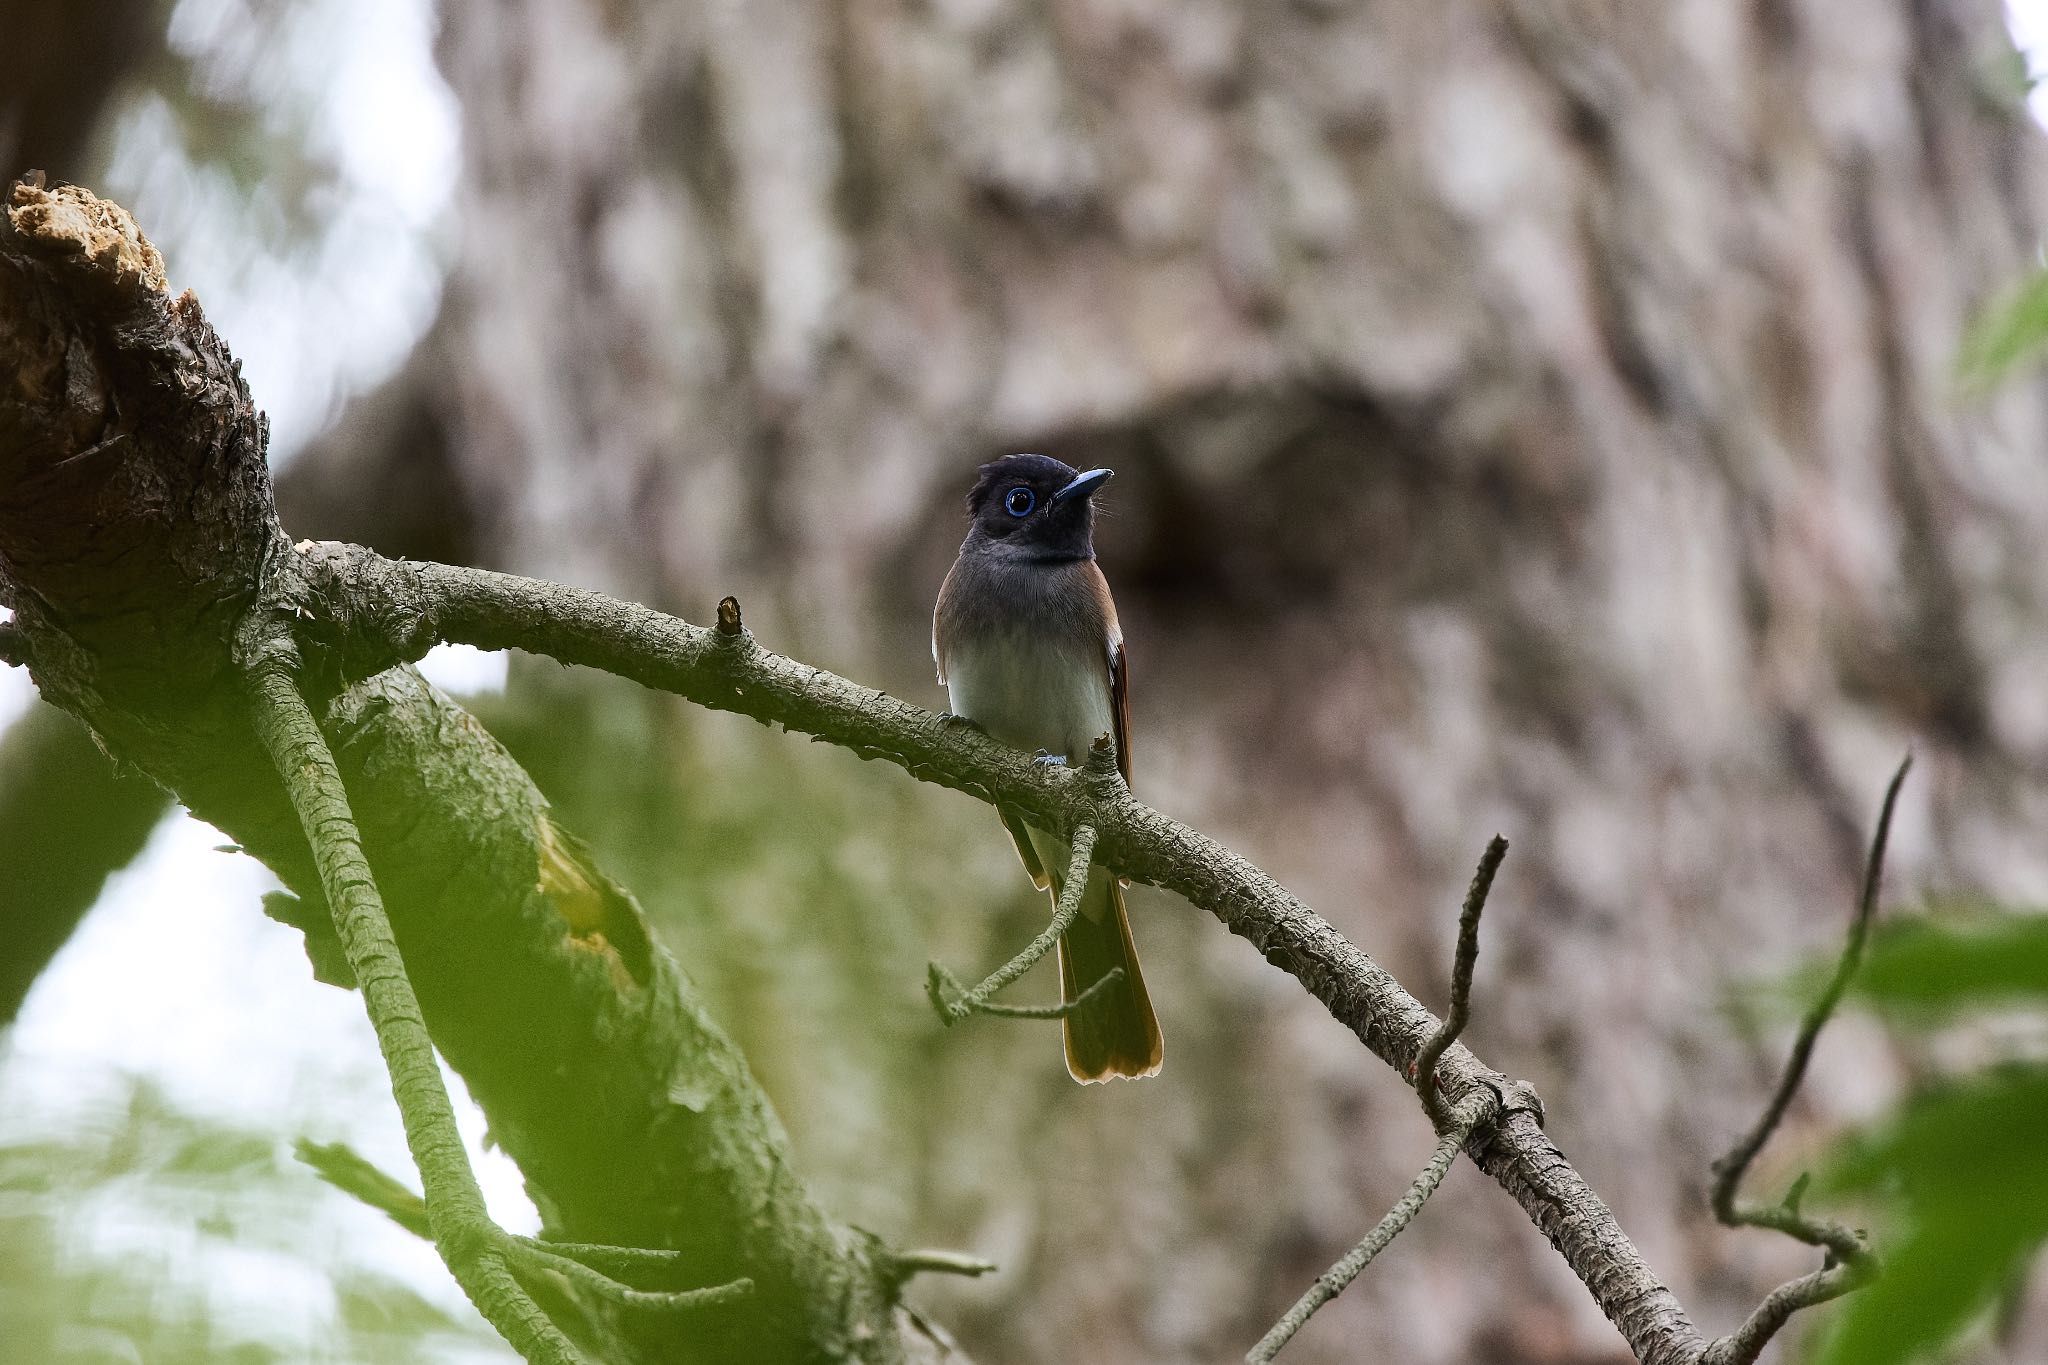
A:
(1528, 416)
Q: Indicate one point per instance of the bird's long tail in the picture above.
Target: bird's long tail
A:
(1116, 1033)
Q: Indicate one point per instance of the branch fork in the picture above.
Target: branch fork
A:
(485, 1260)
(195, 555)
(1848, 1263)
(954, 1003)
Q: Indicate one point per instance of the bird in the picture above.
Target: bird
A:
(1028, 648)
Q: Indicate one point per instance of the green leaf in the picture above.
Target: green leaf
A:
(1951, 964)
(1966, 1167)
(2010, 331)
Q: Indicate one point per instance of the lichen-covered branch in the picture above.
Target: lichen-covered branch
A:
(379, 609)
(1463, 962)
(134, 589)
(461, 1227)
(1456, 1132)
(137, 535)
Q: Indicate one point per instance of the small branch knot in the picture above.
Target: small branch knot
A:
(1099, 769)
(729, 617)
(944, 990)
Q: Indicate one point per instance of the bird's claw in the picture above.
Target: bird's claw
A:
(1050, 760)
(953, 722)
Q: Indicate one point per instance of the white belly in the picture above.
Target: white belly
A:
(1031, 694)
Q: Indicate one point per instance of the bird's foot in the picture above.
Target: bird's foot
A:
(1050, 760)
(953, 722)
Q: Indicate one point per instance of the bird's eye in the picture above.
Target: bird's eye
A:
(1019, 501)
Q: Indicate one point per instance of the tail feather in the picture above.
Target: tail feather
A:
(1116, 1034)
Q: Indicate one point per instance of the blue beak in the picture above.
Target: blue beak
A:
(1081, 485)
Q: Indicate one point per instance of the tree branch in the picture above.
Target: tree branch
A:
(469, 1243)
(1453, 1133)
(1453, 1127)
(112, 374)
(137, 535)
(378, 610)
(1462, 965)
(954, 1004)
(1849, 1260)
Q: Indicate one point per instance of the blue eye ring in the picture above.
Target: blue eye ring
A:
(1019, 501)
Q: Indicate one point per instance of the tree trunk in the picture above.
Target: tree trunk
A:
(1528, 416)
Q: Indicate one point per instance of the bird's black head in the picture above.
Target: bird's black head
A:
(1037, 506)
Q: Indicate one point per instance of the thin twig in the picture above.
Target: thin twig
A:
(954, 1005)
(1729, 1170)
(1462, 964)
(590, 1266)
(456, 1216)
(1455, 1132)
(341, 1166)
(480, 1255)
(1743, 1345)
(524, 1253)
(944, 990)
(938, 1262)
(613, 1261)
(1453, 1127)
(1849, 1262)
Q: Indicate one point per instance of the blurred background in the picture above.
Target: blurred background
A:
(1543, 417)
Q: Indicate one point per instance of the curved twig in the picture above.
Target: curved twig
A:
(1454, 1133)
(1850, 1262)
(480, 1255)
(1743, 1345)
(954, 1004)
(1462, 965)
(1729, 1170)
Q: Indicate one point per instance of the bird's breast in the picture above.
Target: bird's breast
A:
(1031, 691)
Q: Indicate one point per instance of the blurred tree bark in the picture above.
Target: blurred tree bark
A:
(70, 59)
(1530, 416)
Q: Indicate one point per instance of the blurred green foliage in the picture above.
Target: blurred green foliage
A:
(151, 1235)
(2007, 334)
(1959, 1173)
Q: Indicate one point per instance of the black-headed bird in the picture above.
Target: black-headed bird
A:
(1027, 643)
